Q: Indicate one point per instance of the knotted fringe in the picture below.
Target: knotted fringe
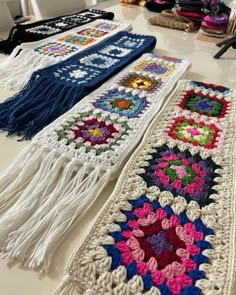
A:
(67, 286)
(43, 193)
(40, 102)
(17, 69)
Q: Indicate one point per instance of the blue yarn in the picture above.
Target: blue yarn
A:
(200, 226)
(130, 215)
(147, 281)
(131, 270)
(123, 225)
(53, 91)
(139, 202)
(204, 245)
(164, 289)
(156, 205)
(169, 211)
(117, 236)
(183, 218)
(196, 274)
(115, 255)
(200, 258)
(191, 290)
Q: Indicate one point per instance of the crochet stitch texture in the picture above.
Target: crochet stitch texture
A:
(72, 159)
(54, 90)
(45, 28)
(168, 227)
(30, 57)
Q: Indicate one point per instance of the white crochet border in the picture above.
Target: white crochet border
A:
(220, 216)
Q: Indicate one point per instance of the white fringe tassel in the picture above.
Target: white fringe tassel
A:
(17, 70)
(66, 287)
(42, 197)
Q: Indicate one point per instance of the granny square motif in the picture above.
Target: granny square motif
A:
(105, 27)
(182, 173)
(115, 51)
(92, 32)
(161, 67)
(55, 49)
(122, 102)
(76, 39)
(141, 82)
(99, 61)
(43, 29)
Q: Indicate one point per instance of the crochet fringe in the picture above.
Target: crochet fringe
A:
(18, 68)
(25, 59)
(36, 106)
(42, 195)
(45, 97)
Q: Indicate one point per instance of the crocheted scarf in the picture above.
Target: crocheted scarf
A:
(42, 29)
(169, 226)
(54, 90)
(29, 57)
(60, 174)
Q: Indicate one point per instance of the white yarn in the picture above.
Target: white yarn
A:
(17, 69)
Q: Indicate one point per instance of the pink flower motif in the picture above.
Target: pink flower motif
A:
(171, 157)
(174, 285)
(166, 224)
(185, 161)
(147, 208)
(160, 173)
(143, 221)
(182, 253)
(198, 169)
(142, 268)
(174, 220)
(122, 246)
(189, 264)
(161, 214)
(197, 235)
(185, 280)
(133, 243)
(178, 268)
(138, 233)
(139, 212)
(158, 277)
(165, 179)
(176, 184)
(168, 272)
(138, 255)
(127, 234)
(127, 258)
(152, 264)
(133, 224)
(163, 165)
(199, 180)
(193, 249)
(152, 218)
(189, 227)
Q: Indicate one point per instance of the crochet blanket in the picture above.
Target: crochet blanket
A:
(169, 226)
(60, 174)
(29, 57)
(43, 29)
(54, 90)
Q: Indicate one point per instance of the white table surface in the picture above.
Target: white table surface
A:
(16, 281)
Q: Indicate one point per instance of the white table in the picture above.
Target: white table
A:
(16, 281)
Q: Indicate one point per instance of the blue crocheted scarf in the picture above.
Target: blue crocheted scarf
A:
(54, 90)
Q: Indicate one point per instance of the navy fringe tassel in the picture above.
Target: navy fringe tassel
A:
(47, 96)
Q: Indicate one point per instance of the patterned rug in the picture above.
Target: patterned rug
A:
(60, 174)
(169, 226)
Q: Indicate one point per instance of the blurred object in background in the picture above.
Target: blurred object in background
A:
(51, 8)
(6, 21)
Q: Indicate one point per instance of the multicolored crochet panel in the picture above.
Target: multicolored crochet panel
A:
(110, 122)
(76, 40)
(168, 227)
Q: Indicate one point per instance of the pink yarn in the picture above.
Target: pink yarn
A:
(161, 214)
(158, 277)
(189, 264)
